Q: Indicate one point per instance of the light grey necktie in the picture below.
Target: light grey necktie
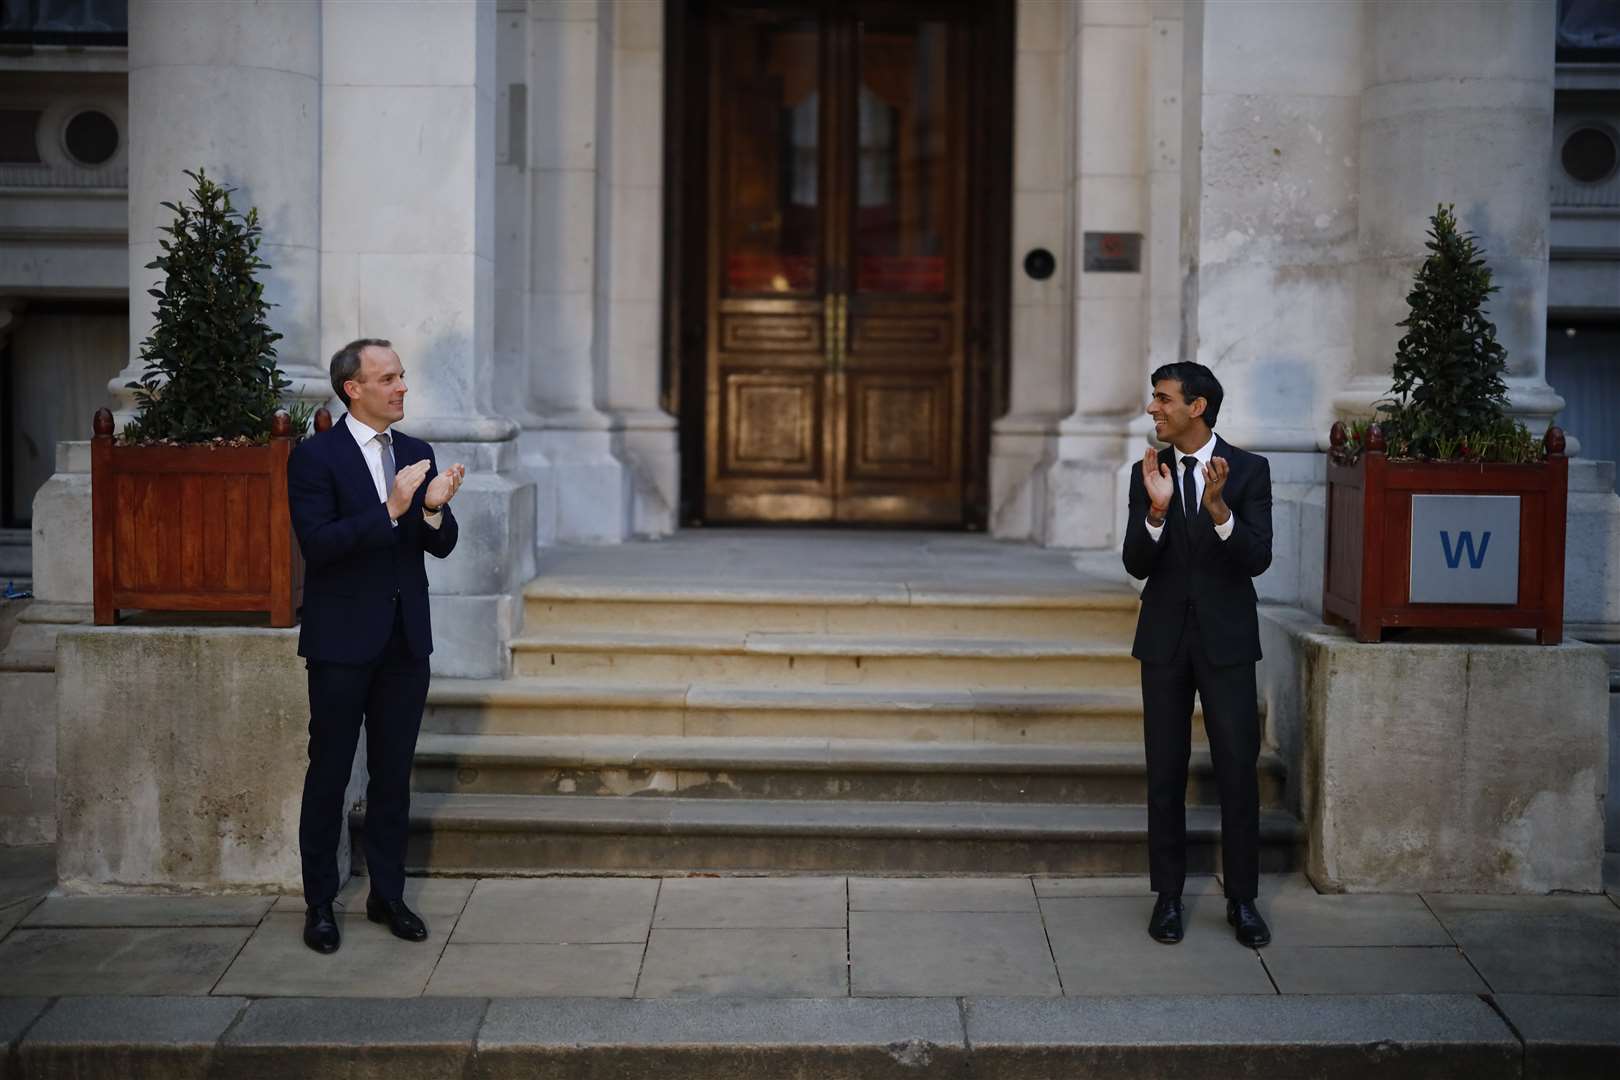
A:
(387, 444)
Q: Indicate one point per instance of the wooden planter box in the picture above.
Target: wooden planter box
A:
(193, 528)
(1368, 580)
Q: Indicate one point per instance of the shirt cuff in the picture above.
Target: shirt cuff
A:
(1225, 529)
(435, 518)
(1155, 531)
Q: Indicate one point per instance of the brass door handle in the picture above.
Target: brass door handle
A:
(837, 319)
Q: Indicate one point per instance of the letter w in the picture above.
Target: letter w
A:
(1465, 542)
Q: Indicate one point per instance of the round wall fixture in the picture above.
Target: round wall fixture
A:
(91, 137)
(1040, 264)
(1590, 155)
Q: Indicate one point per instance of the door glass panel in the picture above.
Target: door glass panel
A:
(771, 114)
(902, 186)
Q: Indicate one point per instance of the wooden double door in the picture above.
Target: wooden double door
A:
(838, 263)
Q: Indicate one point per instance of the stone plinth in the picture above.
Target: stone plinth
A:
(1474, 764)
(181, 755)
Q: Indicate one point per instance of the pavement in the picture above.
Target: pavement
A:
(793, 975)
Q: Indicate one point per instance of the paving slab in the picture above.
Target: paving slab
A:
(949, 954)
(17, 1015)
(537, 971)
(1537, 944)
(1371, 970)
(163, 1038)
(150, 911)
(556, 911)
(745, 963)
(1310, 919)
(357, 1039)
(1123, 885)
(425, 896)
(722, 1039)
(26, 871)
(941, 894)
(1566, 1037)
(752, 903)
(1404, 1037)
(275, 962)
(15, 913)
(1102, 948)
(138, 960)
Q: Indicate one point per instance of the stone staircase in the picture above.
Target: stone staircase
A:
(953, 729)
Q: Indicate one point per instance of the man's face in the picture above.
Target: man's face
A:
(1173, 416)
(377, 392)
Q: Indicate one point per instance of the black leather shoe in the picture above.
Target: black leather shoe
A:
(1165, 924)
(402, 921)
(321, 929)
(1252, 930)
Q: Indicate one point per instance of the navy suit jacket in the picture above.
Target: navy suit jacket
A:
(355, 561)
(1191, 570)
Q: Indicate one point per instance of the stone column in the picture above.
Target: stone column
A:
(1038, 391)
(233, 89)
(570, 445)
(629, 258)
(1457, 108)
(407, 126)
(1107, 192)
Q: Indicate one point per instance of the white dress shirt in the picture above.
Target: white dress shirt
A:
(366, 436)
(1202, 456)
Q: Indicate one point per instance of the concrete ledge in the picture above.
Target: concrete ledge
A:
(1566, 1038)
(358, 1039)
(1417, 1036)
(722, 1039)
(1353, 1037)
(163, 1038)
(17, 1015)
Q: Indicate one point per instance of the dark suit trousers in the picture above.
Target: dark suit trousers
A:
(387, 695)
(1232, 722)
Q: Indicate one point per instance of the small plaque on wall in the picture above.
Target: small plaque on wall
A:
(1113, 253)
(1465, 549)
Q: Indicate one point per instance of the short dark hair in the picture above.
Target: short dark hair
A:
(1197, 381)
(346, 362)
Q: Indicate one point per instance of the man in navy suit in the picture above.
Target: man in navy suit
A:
(367, 502)
(1199, 531)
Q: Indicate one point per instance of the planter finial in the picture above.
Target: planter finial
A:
(103, 425)
(281, 425)
(1554, 440)
(1337, 435)
(323, 419)
(1374, 439)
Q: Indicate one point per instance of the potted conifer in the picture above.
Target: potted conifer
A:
(189, 505)
(1445, 511)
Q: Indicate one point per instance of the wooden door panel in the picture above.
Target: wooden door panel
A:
(900, 427)
(773, 423)
(786, 332)
(900, 338)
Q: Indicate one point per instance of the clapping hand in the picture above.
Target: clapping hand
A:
(1215, 474)
(443, 488)
(406, 481)
(1160, 487)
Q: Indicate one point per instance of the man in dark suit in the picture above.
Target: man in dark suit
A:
(367, 501)
(1199, 531)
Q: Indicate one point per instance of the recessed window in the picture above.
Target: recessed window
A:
(91, 137)
(18, 145)
(1590, 155)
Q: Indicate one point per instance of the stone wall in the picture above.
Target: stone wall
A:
(1475, 764)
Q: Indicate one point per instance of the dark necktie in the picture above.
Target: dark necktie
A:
(387, 443)
(1189, 488)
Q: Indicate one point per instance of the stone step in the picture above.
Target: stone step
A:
(768, 659)
(532, 834)
(555, 605)
(852, 769)
(1008, 715)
